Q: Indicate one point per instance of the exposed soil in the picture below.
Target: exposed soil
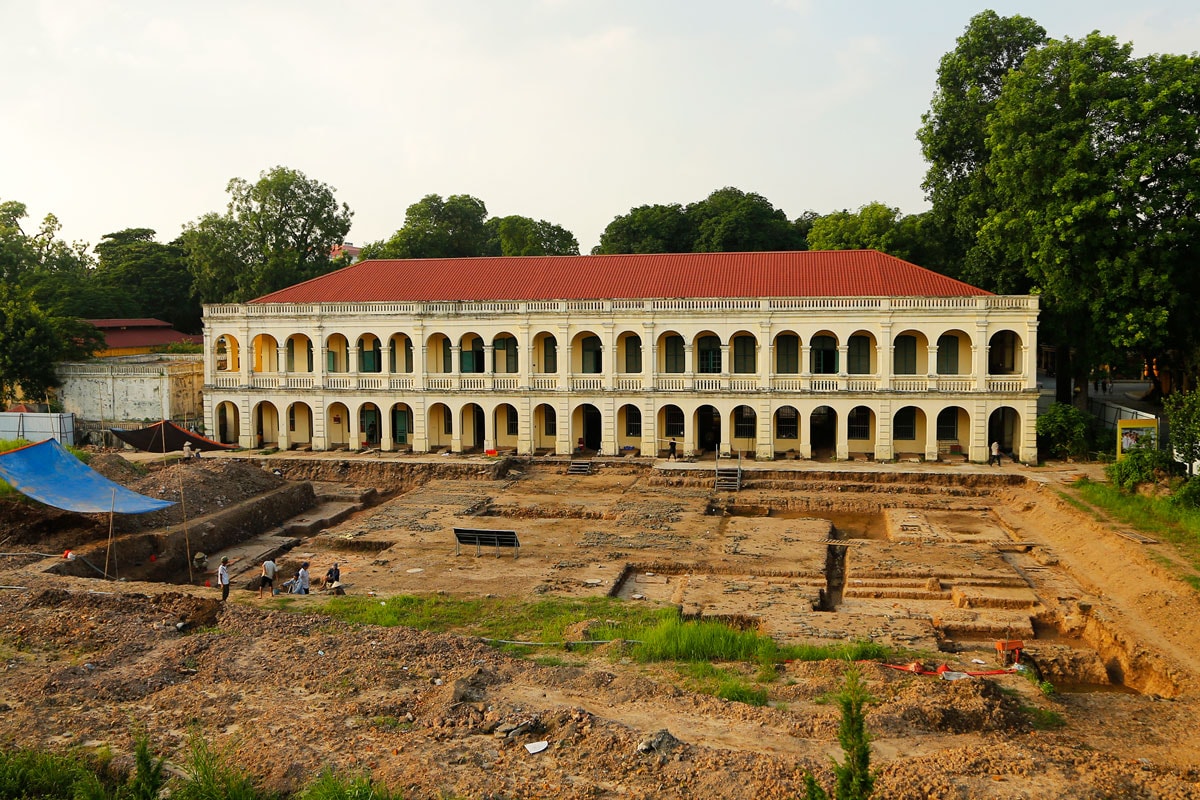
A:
(929, 562)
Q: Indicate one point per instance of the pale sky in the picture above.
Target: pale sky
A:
(129, 113)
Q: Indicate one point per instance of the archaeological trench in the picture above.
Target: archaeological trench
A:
(929, 562)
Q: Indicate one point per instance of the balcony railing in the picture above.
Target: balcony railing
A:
(672, 382)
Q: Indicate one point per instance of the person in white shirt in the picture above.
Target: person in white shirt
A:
(223, 578)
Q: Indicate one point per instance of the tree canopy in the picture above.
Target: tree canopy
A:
(41, 279)
(459, 227)
(141, 277)
(875, 226)
(728, 220)
(276, 232)
(1093, 156)
(953, 137)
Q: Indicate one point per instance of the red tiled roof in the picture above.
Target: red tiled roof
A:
(146, 337)
(142, 322)
(824, 273)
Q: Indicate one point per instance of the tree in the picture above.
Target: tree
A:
(437, 228)
(874, 226)
(854, 779)
(522, 236)
(731, 221)
(953, 137)
(1183, 419)
(55, 274)
(32, 341)
(648, 229)
(147, 278)
(728, 220)
(1093, 158)
(276, 232)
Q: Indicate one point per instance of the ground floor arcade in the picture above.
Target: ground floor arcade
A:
(767, 428)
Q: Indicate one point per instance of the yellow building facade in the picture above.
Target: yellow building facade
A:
(915, 365)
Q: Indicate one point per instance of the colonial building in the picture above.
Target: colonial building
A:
(832, 354)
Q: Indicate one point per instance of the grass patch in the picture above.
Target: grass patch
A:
(724, 682)
(1044, 719)
(653, 634)
(1154, 516)
(500, 618)
(674, 639)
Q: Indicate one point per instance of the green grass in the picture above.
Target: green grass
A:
(499, 618)
(30, 773)
(724, 682)
(332, 786)
(1154, 516)
(652, 633)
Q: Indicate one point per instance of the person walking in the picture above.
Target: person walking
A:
(995, 459)
(223, 578)
(267, 581)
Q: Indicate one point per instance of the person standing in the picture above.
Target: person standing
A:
(302, 580)
(995, 459)
(268, 577)
(671, 456)
(223, 578)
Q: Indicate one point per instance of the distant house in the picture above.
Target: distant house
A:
(132, 337)
(133, 388)
(348, 250)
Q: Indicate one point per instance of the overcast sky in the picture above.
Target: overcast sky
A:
(136, 114)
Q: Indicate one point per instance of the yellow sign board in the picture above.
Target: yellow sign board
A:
(1134, 434)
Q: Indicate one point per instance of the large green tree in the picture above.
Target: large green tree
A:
(648, 229)
(275, 232)
(875, 226)
(435, 228)
(1093, 155)
(953, 137)
(728, 220)
(35, 335)
(57, 275)
(146, 278)
(523, 236)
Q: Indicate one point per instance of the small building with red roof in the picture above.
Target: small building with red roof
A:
(131, 337)
(815, 354)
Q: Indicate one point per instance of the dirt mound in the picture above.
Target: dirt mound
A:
(116, 468)
(198, 487)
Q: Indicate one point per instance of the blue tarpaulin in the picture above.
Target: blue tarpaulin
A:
(48, 473)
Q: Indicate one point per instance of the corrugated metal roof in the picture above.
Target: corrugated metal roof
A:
(825, 273)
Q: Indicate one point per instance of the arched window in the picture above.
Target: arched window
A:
(633, 421)
(633, 354)
(673, 360)
(708, 355)
(592, 355)
(787, 354)
(904, 361)
(824, 355)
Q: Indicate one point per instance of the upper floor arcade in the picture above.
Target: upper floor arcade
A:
(983, 343)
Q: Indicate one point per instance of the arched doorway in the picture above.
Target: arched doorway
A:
(822, 432)
(266, 424)
(1004, 426)
(299, 425)
(228, 427)
(708, 429)
(337, 426)
(370, 424)
(402, 424)
(472, 427)
(588, 423)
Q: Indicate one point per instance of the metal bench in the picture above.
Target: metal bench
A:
(480, 537)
